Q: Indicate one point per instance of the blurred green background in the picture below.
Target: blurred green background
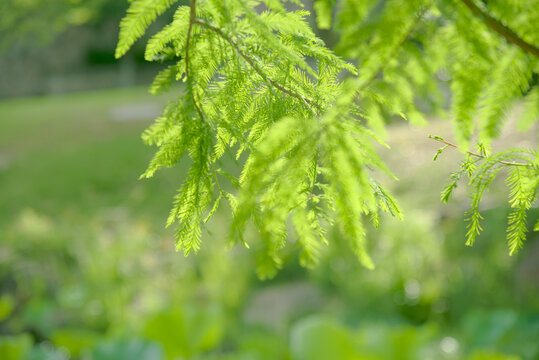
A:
(88, 271)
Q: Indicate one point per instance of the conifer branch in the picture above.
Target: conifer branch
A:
(501, 29)
(395, 49)
(310, 103)
(192, 18)
(447, 143)
(317, 169)
(216, 179)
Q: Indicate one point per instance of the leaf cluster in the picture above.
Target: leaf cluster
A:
(408, 50)
(260, 88)
(522, 179)
(263, 90)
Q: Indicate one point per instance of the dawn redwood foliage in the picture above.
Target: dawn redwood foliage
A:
(262, 91)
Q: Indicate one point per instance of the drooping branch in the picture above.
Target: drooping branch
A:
(501, 29)
(192, 19)
(395, 50)
(256, 68)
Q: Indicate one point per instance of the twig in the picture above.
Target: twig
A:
(259, 71)
(439, 139)
(501, 29)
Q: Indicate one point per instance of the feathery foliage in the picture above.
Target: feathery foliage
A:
(522, 181)
(489, 54)
(301, 123)
(141, 14)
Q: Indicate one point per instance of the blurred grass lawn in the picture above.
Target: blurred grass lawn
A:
(69, 152)
(88, 271)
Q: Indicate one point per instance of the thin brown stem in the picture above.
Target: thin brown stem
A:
(439, 139)
(501, 29)
(310, 103)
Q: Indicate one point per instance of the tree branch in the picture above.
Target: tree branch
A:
(439, 139)
(310, 103)
(192, 19)
(395, 50)
(501, 29)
